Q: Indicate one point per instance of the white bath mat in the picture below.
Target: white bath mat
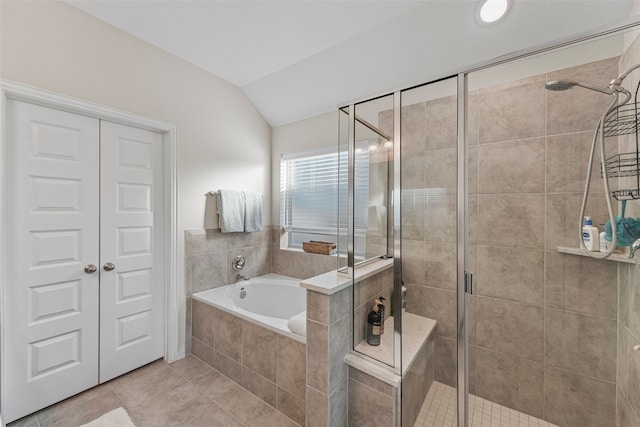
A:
(116, 418)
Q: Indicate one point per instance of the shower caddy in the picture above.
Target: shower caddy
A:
(624, 120)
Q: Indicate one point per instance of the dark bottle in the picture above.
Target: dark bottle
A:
(381, 305)
(373, 326)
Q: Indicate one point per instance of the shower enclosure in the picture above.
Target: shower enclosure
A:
(485, 173)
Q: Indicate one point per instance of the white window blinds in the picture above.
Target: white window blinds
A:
(310, 186)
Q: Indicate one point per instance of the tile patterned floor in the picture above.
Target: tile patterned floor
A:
(185, 393)
(439, 410)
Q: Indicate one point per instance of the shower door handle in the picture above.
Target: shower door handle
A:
(468, 282)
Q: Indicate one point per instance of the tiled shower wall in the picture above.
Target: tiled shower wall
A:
(209, 254)
(628, 381)
(543, 325)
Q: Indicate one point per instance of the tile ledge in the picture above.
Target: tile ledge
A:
(616, 257)
(374, 368)
(333, 281)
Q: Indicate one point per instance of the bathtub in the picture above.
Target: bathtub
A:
(269, 301)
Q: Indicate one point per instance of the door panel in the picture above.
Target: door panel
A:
(52, 230)
(132, 294)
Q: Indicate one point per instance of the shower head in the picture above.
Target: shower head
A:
(557, 85)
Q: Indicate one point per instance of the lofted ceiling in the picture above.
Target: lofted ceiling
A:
(299, 58)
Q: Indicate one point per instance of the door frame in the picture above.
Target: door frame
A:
(20, 92)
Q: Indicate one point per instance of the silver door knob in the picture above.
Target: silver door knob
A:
(90, 268)
(109, 266)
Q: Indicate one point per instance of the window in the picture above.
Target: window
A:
(311, 187)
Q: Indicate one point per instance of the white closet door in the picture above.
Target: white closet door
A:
(132, 293)
(51, 305)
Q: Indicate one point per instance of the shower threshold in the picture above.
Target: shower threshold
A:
(439, 410)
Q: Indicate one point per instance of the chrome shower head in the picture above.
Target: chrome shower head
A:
(557, 85)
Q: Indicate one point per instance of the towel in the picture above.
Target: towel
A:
(231, 210)
(298, 324)
(252, 211)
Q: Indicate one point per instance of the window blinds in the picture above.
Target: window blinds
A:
(311, 187)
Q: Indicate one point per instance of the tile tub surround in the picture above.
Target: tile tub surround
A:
(208, 255)
(540, 322)
(269, 365)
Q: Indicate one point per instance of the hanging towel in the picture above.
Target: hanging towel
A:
(253, 211)
(231, 210)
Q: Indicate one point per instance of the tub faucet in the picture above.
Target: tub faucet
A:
(634, 247)
(241, 277)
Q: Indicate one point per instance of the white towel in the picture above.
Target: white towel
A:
(252, 211)
(231, 210)
(298, 324)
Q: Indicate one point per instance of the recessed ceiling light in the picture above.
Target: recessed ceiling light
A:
(491, 11)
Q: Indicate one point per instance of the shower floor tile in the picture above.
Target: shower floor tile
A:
(439, 410)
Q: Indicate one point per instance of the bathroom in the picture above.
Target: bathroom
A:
(527, 151)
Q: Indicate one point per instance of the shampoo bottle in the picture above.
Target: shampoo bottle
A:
(373, 326)
(590, 235)
(604, 243)
(382, 310)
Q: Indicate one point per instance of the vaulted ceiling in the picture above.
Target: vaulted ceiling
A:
(296, 59)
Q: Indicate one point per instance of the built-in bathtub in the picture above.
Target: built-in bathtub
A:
(270, 301)
(242, 330)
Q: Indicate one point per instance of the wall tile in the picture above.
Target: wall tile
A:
(562, 114)
(582, 344)
(339, 405)
(511, 328)
(567, 160)
(440, 265)
(317, 355)
(624, 271)
(259, 350)
(324, 264)
(563, 217)
(622, 378)
(208, 271)
(317, 412)
(318, 307)
(292, 366)
(511, 273)
(634, 374)
(202, 351)
(625, 415)
(260, 386)
(415, 302)
(227, 366)
(302, 265)
(512, 167)
(413, 215)
(202, 323)
(370, 381)
(239, 240)
(441, 123)
(341, 303)
(201, 241)
(339, 345)
(445, 360)
(581, 284)
(292, 406)
(413, 261)
(413, 171)
(573, 400)
(414, 127)
(439, 217)
(228, 334)
(511, 381)
(441, 170)
(280, 261)
(634, 300)
(512, 110)
(369, 407)
(522, 215)
(441, 306)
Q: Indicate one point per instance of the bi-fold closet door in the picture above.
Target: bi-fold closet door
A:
(84, 294)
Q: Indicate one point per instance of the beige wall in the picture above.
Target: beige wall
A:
(223, 142)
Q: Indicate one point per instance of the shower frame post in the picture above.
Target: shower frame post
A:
(463, 277)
